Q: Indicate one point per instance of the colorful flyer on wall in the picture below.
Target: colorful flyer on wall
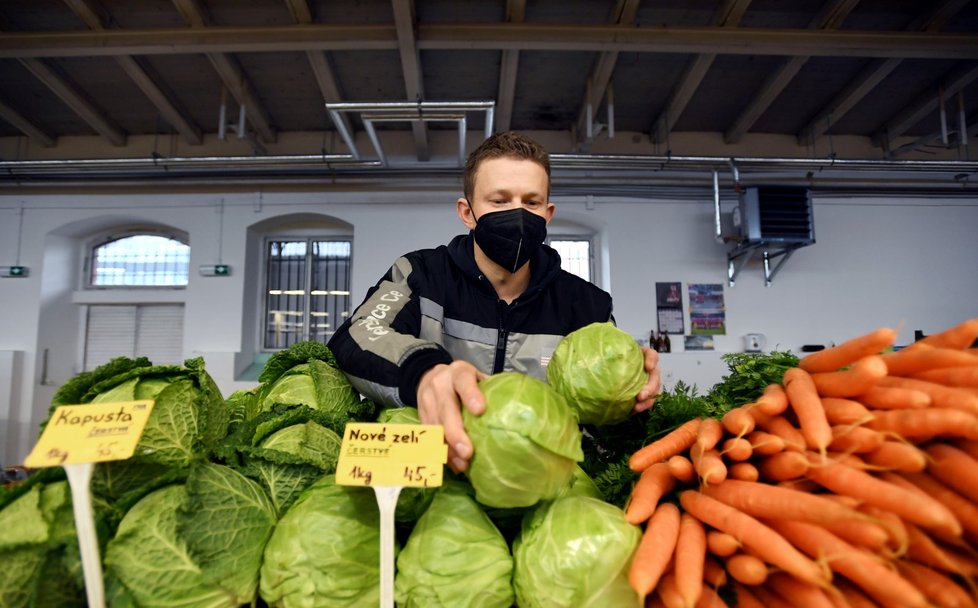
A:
(707, 312)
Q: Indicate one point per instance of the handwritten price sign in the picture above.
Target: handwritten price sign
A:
(380, 454)
(90, 433)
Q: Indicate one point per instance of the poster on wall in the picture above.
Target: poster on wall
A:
(669, 306)
(707, 312)
(698, 342)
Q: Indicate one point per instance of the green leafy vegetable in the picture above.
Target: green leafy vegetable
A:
(599, 369)
(527, 442)
(574, 552)
(325, 551)
(454, 556)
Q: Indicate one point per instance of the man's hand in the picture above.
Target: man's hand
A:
(440, 392)
(646, 396)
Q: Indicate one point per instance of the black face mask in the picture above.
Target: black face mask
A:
(510, 238)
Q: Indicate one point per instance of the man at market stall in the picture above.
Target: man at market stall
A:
(492, 300)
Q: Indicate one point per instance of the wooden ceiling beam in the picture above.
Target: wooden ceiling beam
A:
(405, 23)
(494, 36)
(872, 75)
(76, 100)
(230, 72)
(728, 15)
(830, 18)
(25, 126)
(140, 74)
(322, 69)
(601, 72)
(508, 69)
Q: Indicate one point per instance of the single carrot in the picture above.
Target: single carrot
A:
(855, 438)
(747, 569)
(940, 396)
(852, 381)
(909, 361)
(675, 442)
(721, 544)
(689, 558)
(773, 400)
(897, 456)
(847, 480)
(783, 466)
(654, 482)
(860, 533)
(780, 426)
(743, 471)
(863, 569)
(897, 538)
(963, 509)
(681, 468)
(969, 447)
(654, 550)
(848, 352)
(738, 421)
(959, 337)
(805, 402)
(942, 535)
(713, 573)
(757, 537)
(951, 376)
(736, 448)
(941, 589)
(800, 593)
(776, 502)
(894, 398)
(709, 434)
(926, 423)
(709, 465)
(955, 468)
(765, 444)
(844, 411)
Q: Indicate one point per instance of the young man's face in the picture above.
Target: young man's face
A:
(507, 183)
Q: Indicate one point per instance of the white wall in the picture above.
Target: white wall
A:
(908, 263)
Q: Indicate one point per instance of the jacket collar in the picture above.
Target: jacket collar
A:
(544, 267)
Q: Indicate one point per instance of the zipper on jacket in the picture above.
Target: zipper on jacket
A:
(501, 334)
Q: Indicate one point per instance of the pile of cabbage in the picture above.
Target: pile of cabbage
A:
(233, 502)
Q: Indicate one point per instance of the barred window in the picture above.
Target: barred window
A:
(575, 255)
(307, 290)
(140, 260)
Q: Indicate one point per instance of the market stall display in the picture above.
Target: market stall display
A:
(846, 477)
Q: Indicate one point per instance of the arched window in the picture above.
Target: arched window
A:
(140, 260)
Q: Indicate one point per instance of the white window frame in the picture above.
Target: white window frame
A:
(92, 244)
(589, 239)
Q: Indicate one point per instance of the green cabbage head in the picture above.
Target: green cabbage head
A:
(599, 369)
(454, 556)
(527, 442)
(574, 552)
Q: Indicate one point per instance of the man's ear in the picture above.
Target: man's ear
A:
(551, 209)
(464, 212)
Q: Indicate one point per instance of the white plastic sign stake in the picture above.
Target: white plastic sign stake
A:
(388, 457)
(76, 437)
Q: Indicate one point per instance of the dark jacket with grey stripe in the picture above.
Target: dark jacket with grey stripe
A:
(434, 306)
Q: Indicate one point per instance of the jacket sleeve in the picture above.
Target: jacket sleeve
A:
(378, 347)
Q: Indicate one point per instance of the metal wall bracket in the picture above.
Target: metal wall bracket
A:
(738, 257)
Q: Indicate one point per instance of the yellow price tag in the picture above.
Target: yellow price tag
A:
(95, 432)
(380, 454)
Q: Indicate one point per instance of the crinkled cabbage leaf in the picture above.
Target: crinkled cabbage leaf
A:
(526, 442)
(599, 369)
(454, 556)
(574, 552)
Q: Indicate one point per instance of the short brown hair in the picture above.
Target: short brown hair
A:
(507, 144)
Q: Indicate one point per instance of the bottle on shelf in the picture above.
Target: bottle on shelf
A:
(653, 341)
(666, 344)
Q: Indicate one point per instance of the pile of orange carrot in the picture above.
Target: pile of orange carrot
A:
(854, 482)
